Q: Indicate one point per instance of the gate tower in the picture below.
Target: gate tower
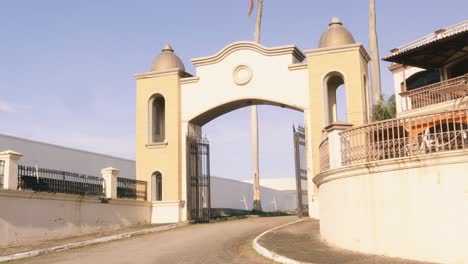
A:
(172, 105)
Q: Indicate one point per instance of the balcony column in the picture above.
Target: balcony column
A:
(334, 142)
(110, 182)
(10, 169)
(405, 89)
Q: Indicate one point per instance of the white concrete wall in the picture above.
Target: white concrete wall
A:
(56, 157)
(227, 193)
(409, 208)
(29, 216)
(62, 158)
(281, 184)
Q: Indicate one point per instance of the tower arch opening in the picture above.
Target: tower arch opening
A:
(335, 98)
(157, 119)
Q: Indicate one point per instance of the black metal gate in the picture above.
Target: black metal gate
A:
(198, 179)
(301, 171)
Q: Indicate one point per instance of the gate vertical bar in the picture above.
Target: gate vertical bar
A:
(208, 180)
(198, 173)
(297, 163)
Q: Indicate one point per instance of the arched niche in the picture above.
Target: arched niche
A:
(156, 186)
(157, 119)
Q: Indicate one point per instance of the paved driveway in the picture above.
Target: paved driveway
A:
(226, 242)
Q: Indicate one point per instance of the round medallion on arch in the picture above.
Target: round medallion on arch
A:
(242, 75)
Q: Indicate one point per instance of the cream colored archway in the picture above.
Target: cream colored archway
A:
(241, 74)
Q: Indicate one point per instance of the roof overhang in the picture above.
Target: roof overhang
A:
(435, 50)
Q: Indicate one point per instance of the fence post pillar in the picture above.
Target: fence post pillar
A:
(334, 142)
(10, 170)
(110, 181)
(334, 149)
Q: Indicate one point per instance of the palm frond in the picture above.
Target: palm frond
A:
(251, 7)
(385, 109)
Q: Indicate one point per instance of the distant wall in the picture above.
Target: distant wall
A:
(61, 158)
(227, 193)
(28, 216)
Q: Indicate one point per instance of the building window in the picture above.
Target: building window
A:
(459, 68)
(156, 180)
(157, 119)
(421, 79)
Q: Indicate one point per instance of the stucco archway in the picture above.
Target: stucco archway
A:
(240, 75)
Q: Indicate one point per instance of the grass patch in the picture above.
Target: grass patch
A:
(225, 214)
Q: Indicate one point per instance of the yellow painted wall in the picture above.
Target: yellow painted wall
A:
(165, 158)
(352, 64)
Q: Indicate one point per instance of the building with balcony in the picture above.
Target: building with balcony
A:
(399, 187)
(431, 73)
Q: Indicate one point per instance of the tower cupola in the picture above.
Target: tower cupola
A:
(336, 35)
(167, 60)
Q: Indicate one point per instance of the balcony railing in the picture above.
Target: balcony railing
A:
(436, 93)
(405, 137)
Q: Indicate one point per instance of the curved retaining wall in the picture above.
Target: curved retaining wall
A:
(415, 208)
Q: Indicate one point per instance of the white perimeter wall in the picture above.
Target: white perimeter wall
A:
(227, 193)
(29, 216)
(62, 158)
(409, 208)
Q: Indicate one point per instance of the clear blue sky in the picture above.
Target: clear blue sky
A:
(66, 66)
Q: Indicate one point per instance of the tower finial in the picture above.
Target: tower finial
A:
(335, 21)
(168, 48)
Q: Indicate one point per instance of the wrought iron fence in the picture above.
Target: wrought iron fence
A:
(56, 181)
(131, 189)
(301, 170)
(2, 167)
(198, 174)
(405, 137)
(436, 93)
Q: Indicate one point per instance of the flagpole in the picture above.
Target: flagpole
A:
(257, 206)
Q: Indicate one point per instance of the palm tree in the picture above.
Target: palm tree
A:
(385, 109)
(257, 206)
(374, 54)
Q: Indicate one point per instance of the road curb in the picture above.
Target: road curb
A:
(272, 255)
(38, 252)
